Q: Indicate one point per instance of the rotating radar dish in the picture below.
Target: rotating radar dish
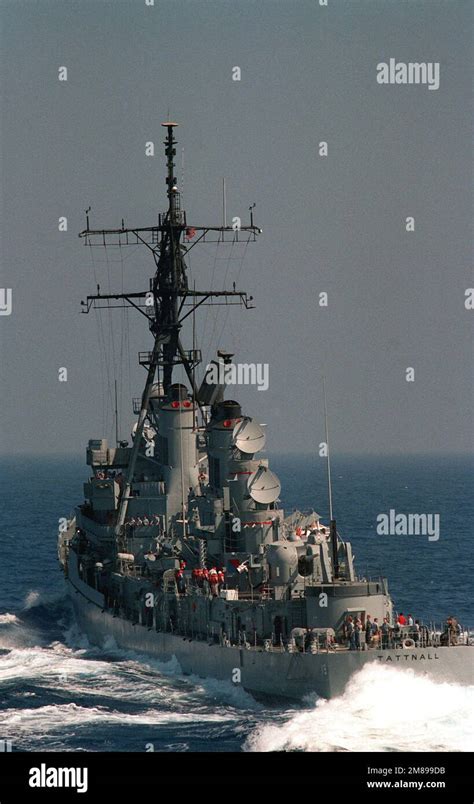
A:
(248, 436)
(263, 486)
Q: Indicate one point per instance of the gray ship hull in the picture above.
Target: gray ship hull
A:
(269, 673)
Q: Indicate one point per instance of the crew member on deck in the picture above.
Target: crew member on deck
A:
(180, 581)
(385, 631)
(357, 630)
(368, 630)
(214, 581)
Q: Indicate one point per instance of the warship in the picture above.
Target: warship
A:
(181, 547)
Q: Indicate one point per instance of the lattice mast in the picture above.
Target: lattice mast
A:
(172, 300)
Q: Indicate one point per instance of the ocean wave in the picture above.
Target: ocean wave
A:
(29, 664)
(118, 677)
(8, 619)
(222, 692)
(14, 633)
(382, 709)
(34, 599)
(41, 619)
(209, 690)
(76, 685)
(43, 719)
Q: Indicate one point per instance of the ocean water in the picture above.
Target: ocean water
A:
(59, 693)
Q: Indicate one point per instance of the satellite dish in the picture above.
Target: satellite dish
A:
(263, 486)
(248, 436)
(148, 432)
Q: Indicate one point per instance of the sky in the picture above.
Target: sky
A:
(334, 224)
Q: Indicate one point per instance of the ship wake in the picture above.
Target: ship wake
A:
(64, 694)
(57, 692)
(382, 709)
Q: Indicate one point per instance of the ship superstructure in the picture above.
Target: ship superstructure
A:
(181, 546)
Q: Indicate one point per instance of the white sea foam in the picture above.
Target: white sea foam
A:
(223, 692)
(382, 709)
(141, 680)
(44, 719)
(220, 691)
(30, 626)
(29, 664)
(32, 599)
(8, 619)
(35, 598)
(75, 638)
(15, 634)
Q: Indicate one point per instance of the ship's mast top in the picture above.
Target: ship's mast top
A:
(173, 301)
(171, 182)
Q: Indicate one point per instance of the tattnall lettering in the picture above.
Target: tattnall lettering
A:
(412, 72)
(407, 657)
(239, 374)
(393, 524)
(59, 777)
